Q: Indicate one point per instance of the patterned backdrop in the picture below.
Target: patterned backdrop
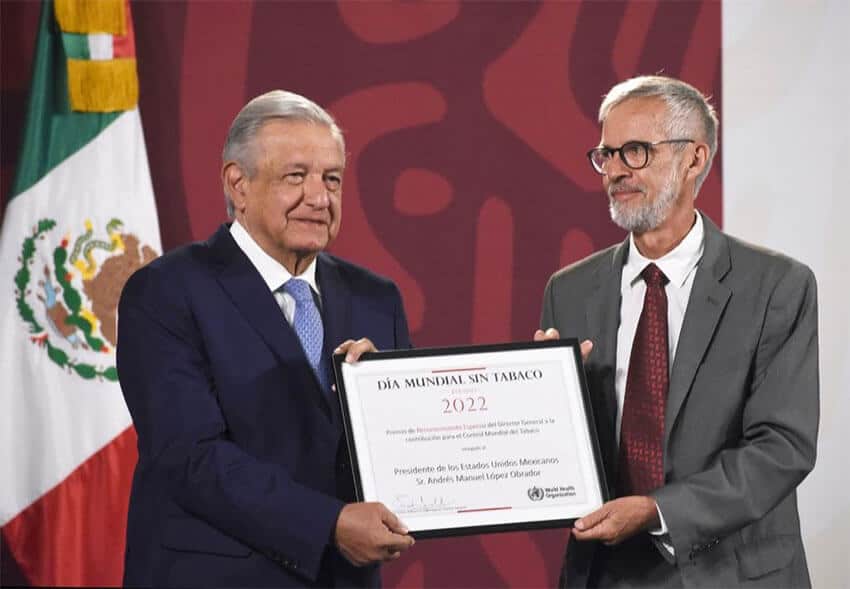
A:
(467, 125)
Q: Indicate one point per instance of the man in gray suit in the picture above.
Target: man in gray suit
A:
(704, 368)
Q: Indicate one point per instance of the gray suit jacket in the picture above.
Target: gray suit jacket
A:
(742, 411)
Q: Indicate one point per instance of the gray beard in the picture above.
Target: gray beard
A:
(645, 217)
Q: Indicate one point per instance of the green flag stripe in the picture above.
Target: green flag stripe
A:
(52, 132)
(76, 46)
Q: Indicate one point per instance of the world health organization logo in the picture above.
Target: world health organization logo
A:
(535, 494)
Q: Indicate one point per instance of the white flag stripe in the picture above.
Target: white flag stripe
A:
(52, 419)
(100, 46)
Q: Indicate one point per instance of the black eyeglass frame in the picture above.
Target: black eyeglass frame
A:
(619, 150)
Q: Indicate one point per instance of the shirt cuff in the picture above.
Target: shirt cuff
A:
(662, 532)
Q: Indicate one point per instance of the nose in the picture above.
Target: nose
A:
(316, 193)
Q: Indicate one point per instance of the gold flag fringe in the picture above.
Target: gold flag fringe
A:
(102, 86)
(91, 16)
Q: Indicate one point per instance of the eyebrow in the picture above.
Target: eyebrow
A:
(304, 166)
(603, 145)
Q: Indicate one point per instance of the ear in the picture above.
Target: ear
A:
(698, 161)
(235, 183)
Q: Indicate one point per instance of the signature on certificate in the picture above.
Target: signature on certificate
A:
(421, 504)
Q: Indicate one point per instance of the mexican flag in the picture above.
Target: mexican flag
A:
(80, 219)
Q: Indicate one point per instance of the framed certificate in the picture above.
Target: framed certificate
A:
(474, 439)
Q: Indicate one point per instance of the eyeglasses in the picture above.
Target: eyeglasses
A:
(635, 154)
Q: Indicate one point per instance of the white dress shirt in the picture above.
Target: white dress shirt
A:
(679, 266)
(274, 274)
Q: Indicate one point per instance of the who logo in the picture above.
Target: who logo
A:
(536, 494)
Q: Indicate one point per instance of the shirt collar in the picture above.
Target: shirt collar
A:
(676, 264)
(273, 273)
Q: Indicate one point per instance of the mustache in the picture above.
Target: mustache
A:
(618, 187)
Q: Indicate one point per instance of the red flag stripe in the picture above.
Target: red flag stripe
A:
(75, 533)
(125, 46)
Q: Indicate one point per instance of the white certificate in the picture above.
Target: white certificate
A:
(473, 439)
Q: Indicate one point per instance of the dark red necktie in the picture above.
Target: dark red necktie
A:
(641, 466)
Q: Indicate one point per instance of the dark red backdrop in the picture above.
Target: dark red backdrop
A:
(466, 125)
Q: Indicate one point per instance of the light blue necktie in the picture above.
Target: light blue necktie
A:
(307, 323)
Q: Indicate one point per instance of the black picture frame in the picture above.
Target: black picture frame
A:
(572, 351)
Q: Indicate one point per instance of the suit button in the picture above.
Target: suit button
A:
(695, 549)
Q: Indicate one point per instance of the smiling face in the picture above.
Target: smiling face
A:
(644, 200)
(291, 205)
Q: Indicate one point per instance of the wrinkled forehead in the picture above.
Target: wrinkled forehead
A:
(297, 141)
(635, 119)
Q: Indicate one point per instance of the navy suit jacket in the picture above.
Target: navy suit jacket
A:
(242, 467)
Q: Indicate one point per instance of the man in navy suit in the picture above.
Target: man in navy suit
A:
(223, 356)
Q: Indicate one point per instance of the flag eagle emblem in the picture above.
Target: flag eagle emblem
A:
(67, 290)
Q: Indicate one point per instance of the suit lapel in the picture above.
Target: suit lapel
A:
(603, 315)
(336, 314)
(336, 302)
(707, 301)
(603, 319)
(250, 295)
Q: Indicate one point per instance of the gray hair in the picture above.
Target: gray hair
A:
(686, 106)
(277, 104)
